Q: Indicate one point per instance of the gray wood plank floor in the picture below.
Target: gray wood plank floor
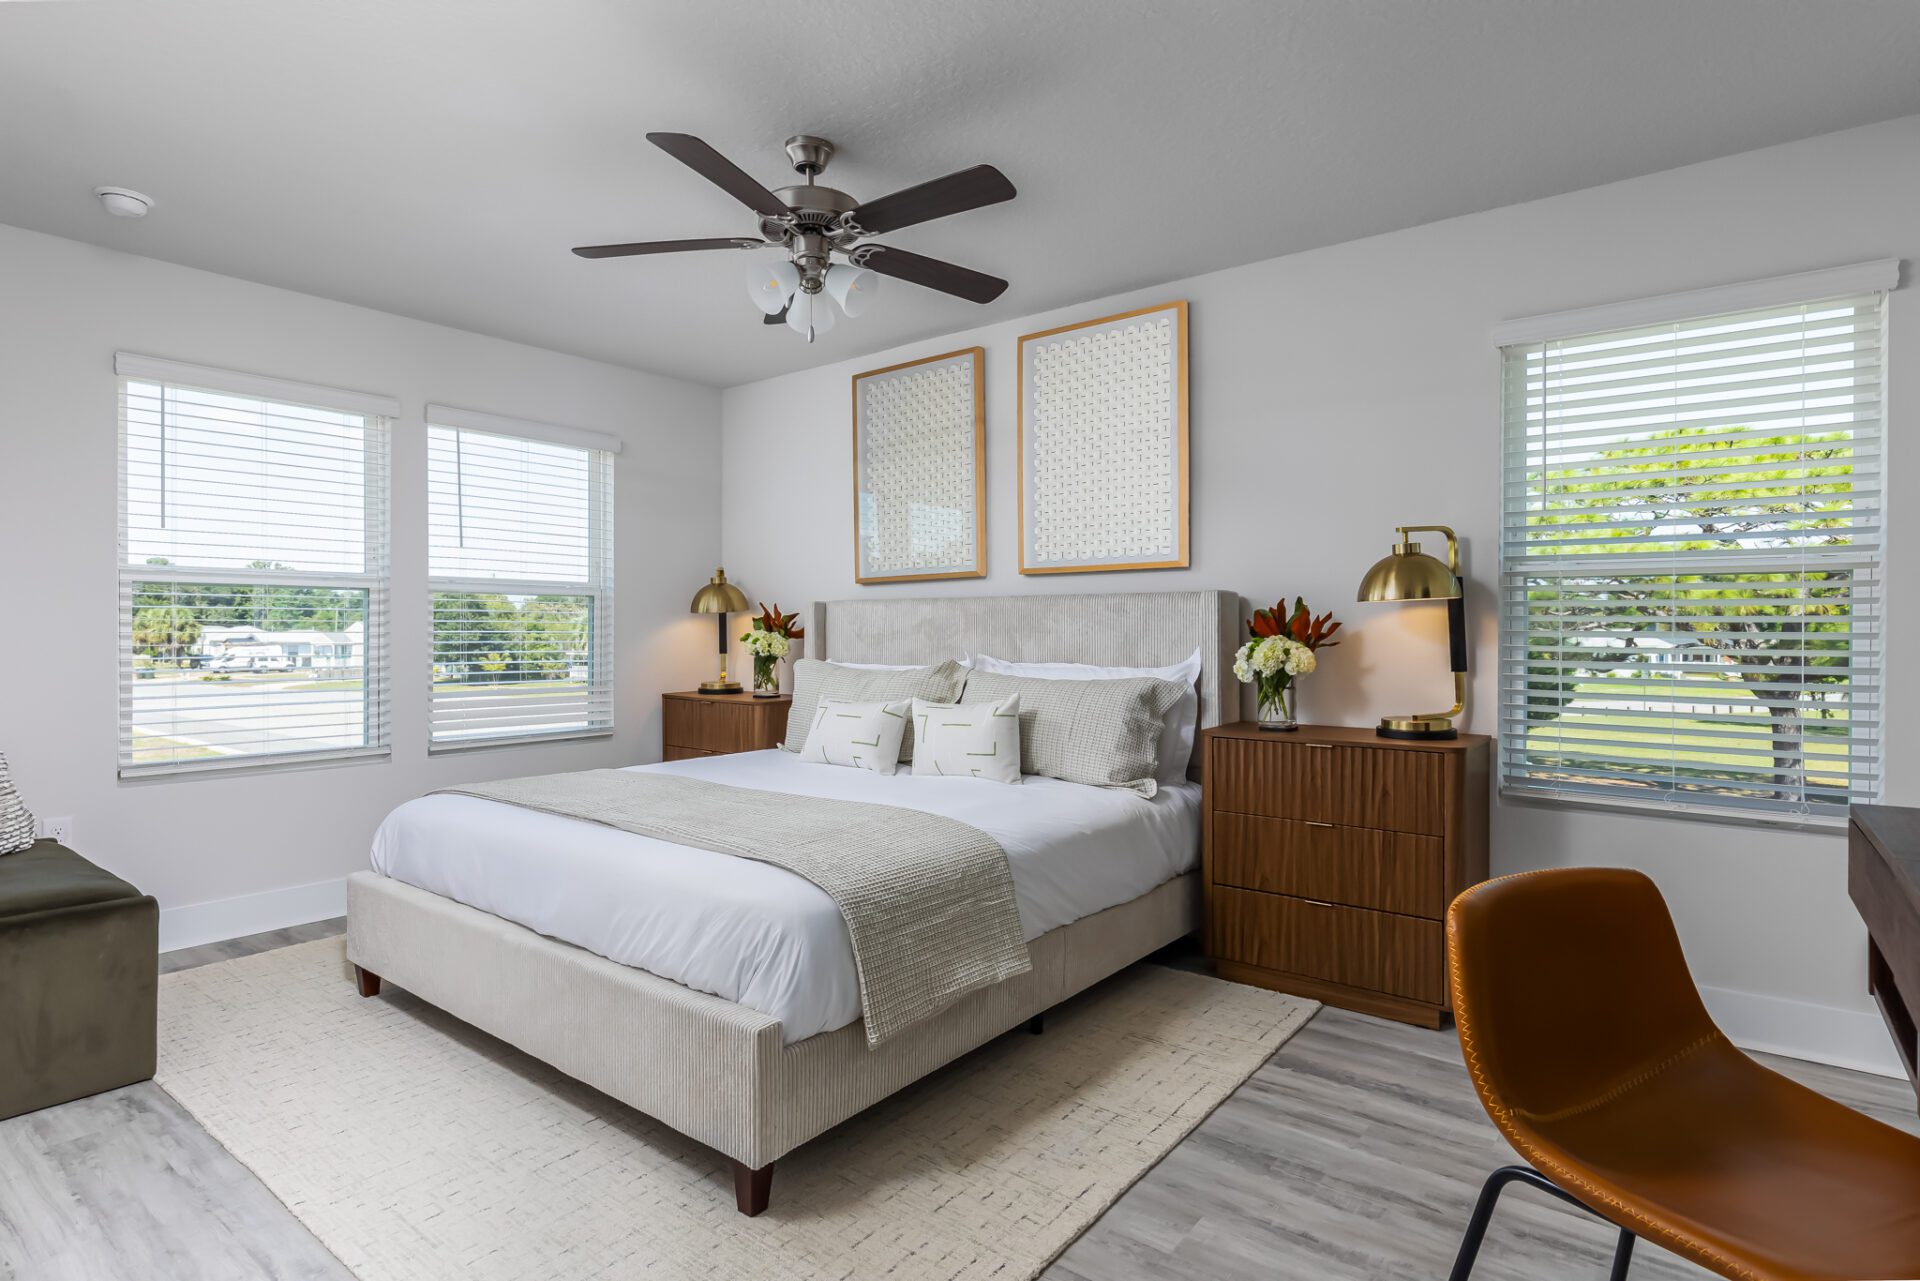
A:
(1355, 1152)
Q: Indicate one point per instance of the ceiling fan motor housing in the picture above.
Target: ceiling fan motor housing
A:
(810, 155)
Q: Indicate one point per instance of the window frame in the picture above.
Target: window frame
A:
(1866, 563)
(378, 414)
(598, 586)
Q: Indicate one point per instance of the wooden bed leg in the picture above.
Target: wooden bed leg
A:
(369, 981)
(1038, 1023)
(752, 1189)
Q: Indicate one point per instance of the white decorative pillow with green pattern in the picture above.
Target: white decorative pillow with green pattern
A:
(968, 740)
(860, 735)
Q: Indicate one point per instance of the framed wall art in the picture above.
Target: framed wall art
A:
(1103, 444)
(919, 485)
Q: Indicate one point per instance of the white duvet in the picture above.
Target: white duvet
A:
(753, 933)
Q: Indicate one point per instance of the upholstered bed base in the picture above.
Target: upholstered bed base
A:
(716, 1071)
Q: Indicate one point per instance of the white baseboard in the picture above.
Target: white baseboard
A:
(192, 924)
(1854, 1039)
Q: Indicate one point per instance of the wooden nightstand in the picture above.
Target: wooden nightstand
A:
(1331, 855)
(696, 724)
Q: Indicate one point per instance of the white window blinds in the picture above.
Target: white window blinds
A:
(253, 563)
(520, 534)
(1690, 563)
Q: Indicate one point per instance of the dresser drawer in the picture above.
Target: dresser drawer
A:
(1379, 951)
(683, 724)
(1359, 866)
(1395, 790)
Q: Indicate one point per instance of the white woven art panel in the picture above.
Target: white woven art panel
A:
(1102, 434)
(916, 459)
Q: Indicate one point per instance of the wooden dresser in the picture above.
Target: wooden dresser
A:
(695, 724)
(1330, 857)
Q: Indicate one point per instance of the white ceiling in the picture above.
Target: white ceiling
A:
(437, 158)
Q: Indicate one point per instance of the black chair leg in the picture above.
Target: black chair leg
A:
(1622, 1257)
(1483, 1215)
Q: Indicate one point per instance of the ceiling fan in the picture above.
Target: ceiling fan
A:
(813, 223)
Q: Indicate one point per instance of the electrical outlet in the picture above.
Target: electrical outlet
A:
(59, 829)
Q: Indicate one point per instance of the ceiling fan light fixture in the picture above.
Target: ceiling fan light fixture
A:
(770, 283)
(809, 315)
(852, 287)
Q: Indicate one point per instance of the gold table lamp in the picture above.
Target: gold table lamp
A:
(719, 597)
(1410, 574)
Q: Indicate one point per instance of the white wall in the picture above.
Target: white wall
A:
(1340, 392)
(225, 855)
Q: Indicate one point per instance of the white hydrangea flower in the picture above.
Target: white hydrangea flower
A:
(767, 644)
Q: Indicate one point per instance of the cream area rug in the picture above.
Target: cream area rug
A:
(418, 1148)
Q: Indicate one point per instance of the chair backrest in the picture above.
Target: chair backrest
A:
(1567, 984)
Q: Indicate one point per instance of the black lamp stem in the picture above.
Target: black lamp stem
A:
(1457, 628)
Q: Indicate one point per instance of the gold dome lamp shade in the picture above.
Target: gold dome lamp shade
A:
(1409, 574)
(719, 598)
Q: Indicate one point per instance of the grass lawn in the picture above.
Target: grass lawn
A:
(1688, 743)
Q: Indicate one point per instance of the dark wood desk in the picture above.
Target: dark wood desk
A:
(1883, 880)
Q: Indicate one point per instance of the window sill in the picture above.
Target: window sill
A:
(1547, 799)
(227, 766)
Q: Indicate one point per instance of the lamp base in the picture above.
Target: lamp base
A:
(719, 687)
(1417, 727)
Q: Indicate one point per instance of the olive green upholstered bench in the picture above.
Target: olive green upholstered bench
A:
(79, 974)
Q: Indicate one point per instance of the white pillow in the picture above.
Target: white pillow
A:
(860, 735)
(1176, 735)
(968, 740)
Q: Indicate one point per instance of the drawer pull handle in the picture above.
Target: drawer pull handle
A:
(1324, 747)
(1317, 902)
(1312, 823)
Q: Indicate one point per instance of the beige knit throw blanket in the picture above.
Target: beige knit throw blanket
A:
(928, 901)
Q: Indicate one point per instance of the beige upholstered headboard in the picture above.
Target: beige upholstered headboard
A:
(1142, 629)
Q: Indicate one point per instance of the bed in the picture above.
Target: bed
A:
(716, 994)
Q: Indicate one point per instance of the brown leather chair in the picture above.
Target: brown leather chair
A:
(1592, 1053)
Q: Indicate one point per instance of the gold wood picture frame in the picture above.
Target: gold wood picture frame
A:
(919, 470)
(1103, 467)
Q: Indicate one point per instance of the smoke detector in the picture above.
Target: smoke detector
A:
(122, 203)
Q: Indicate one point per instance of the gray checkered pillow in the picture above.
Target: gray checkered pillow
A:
(814, 679)
(1106, 733)
(16, 821)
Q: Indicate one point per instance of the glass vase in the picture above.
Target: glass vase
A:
(766, 676)
(1276, 709)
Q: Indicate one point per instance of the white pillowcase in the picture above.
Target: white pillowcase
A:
(968, 740)
(1176, 735)
(860, 735)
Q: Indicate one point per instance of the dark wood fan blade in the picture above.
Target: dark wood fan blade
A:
(666, 247)
(777, 318)
(955, 193)
(720, 171)
(961, 282)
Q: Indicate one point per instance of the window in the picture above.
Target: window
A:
(520, 534)
(253, 563)
(1691, 562)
